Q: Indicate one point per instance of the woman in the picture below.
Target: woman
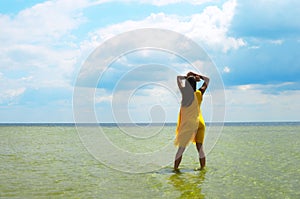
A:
(190, 125)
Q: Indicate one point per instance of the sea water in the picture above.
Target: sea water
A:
(249, 160)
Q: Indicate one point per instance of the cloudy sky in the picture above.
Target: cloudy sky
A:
(254, 45)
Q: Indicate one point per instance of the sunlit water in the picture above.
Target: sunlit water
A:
(248, 161)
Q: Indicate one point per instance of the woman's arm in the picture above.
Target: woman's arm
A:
(179, 81)
(204, 86)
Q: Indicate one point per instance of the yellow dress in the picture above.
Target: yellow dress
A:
(199, 138)
(190, 125)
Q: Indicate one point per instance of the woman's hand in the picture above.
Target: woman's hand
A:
(198, 79)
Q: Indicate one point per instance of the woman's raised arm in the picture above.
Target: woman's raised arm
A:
(179, 81)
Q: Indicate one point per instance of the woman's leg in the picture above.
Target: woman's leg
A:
(201, 155)
(178, 157)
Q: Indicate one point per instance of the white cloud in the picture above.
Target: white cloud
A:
(10, 96)
(156, 2)
(44, 22)
(253, 103)
(226, 69)
(277, 42)
(102, 96)
(13, 89)
(167, 2)
(138, 105)
(209, 28)
(245, 87)
(38, 41)
(254, 47)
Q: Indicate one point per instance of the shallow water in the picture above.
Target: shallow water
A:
(251, 161)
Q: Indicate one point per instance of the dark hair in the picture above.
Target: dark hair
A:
(192, 81)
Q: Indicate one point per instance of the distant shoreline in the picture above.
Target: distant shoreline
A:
(281, 123)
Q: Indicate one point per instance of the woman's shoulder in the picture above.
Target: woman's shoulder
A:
(198, 95)
(198, 92)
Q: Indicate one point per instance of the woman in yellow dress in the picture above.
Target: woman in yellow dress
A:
(190, 125)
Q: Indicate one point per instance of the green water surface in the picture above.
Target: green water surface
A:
(246, 162)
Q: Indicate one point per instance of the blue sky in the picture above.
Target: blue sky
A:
(255, 45)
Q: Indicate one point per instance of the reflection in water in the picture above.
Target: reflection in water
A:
(188, 183)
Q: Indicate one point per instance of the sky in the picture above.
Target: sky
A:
(44, 45)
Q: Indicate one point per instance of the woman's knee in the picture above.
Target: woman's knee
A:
(180, 151)
(200, 150)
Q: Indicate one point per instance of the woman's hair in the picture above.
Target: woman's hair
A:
(192, 81)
